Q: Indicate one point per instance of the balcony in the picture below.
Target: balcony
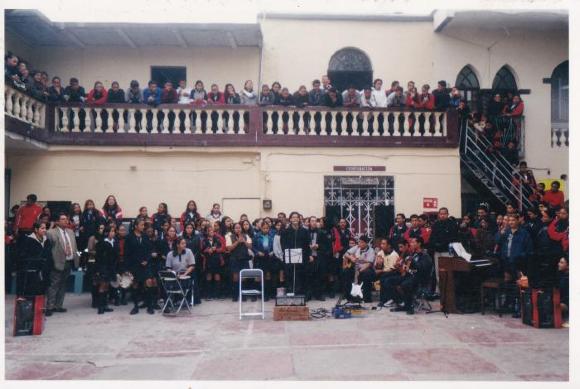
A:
(226, 125)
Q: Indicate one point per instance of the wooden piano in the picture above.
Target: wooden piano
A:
(447, 267)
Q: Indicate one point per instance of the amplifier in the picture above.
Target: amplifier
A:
(297, 300)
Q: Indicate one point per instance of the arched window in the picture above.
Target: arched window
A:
(504, 81)
(559, 83)
(350, 66)
(467, 79)
(468, 86)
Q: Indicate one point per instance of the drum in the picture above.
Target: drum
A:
(185, 281)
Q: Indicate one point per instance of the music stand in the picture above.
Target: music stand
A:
(293, 257)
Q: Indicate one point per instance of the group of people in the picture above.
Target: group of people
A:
(213, 249)
(501, 126)
(321, 93)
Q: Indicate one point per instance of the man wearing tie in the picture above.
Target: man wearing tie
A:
(64, 253)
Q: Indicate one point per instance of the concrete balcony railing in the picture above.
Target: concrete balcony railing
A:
(559, 136)
(24, 108)
(228, 125)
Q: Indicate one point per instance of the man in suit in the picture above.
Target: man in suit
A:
(64, 254)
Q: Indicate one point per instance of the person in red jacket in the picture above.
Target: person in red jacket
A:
(168, 94)
(215, 96)
(97, 95)
(26, 216)
(559, 229)
(554, 197)
(416, 231)
(515, 109)
(426, 99)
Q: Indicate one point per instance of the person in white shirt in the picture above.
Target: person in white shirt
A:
(387, 265)
(379, 96)
(215, 214)
(183, 93)
(362, 256)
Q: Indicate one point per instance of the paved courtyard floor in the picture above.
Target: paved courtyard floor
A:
(213, 344)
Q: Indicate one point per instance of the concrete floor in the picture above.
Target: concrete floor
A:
(213, 344)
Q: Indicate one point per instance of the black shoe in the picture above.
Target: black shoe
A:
(124, 301)
(107, 309)
(410, 311)
(167, 310)
(196, 302)
(235, 298)
(143, 305)
(101, 310)
(135, 310)
(60, 310)
(398, 309)
(150, 310)
(117, 301)
(48, 312)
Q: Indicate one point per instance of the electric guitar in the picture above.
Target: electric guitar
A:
(356, 289)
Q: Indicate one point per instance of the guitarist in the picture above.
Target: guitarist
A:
(415, 271)
(362, 256)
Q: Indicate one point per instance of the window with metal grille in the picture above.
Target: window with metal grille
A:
(467, 79)
(504, 81)
(560, 90)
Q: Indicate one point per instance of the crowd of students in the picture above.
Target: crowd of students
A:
(213, 249)
(322, 93)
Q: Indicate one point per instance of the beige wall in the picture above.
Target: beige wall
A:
(107, 64)
(292, 178)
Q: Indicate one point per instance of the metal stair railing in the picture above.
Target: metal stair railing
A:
(494, 171)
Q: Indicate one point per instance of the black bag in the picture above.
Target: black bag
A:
(527, 307)
(23, 317)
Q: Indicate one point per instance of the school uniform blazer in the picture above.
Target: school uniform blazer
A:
(58, 247)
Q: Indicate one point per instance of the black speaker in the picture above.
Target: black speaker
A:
(546, 309)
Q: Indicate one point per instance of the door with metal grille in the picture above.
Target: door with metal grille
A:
(364, 201)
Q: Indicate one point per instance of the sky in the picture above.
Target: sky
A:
(212, 11)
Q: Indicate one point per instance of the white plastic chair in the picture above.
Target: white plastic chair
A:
(252, 274)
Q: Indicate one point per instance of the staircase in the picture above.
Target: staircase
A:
(491, 171)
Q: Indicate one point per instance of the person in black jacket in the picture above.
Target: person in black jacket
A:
(34, 262)
(419, 273)
(442, 98)
(443, 232)
(315, 268)
(91, 218)
(138, 254)
(107, 255)
(296, 237)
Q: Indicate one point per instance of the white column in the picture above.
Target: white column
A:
(301, 114)
(132, 121)
(187, 121)
(154, 122)
(98, 120)
(121, 122)
(165, 122)
(76, 119)
(16, 107)
(375, 127)
(241, 124)
(280, 123)
(110, 121)
(333, 131)
(9, 105)
(269, 123)
(406, 131)
(365, 124)
(198, 122)
(291, 122)
(355, 123)
(65, 121)
(24, 107)
(230, 124)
